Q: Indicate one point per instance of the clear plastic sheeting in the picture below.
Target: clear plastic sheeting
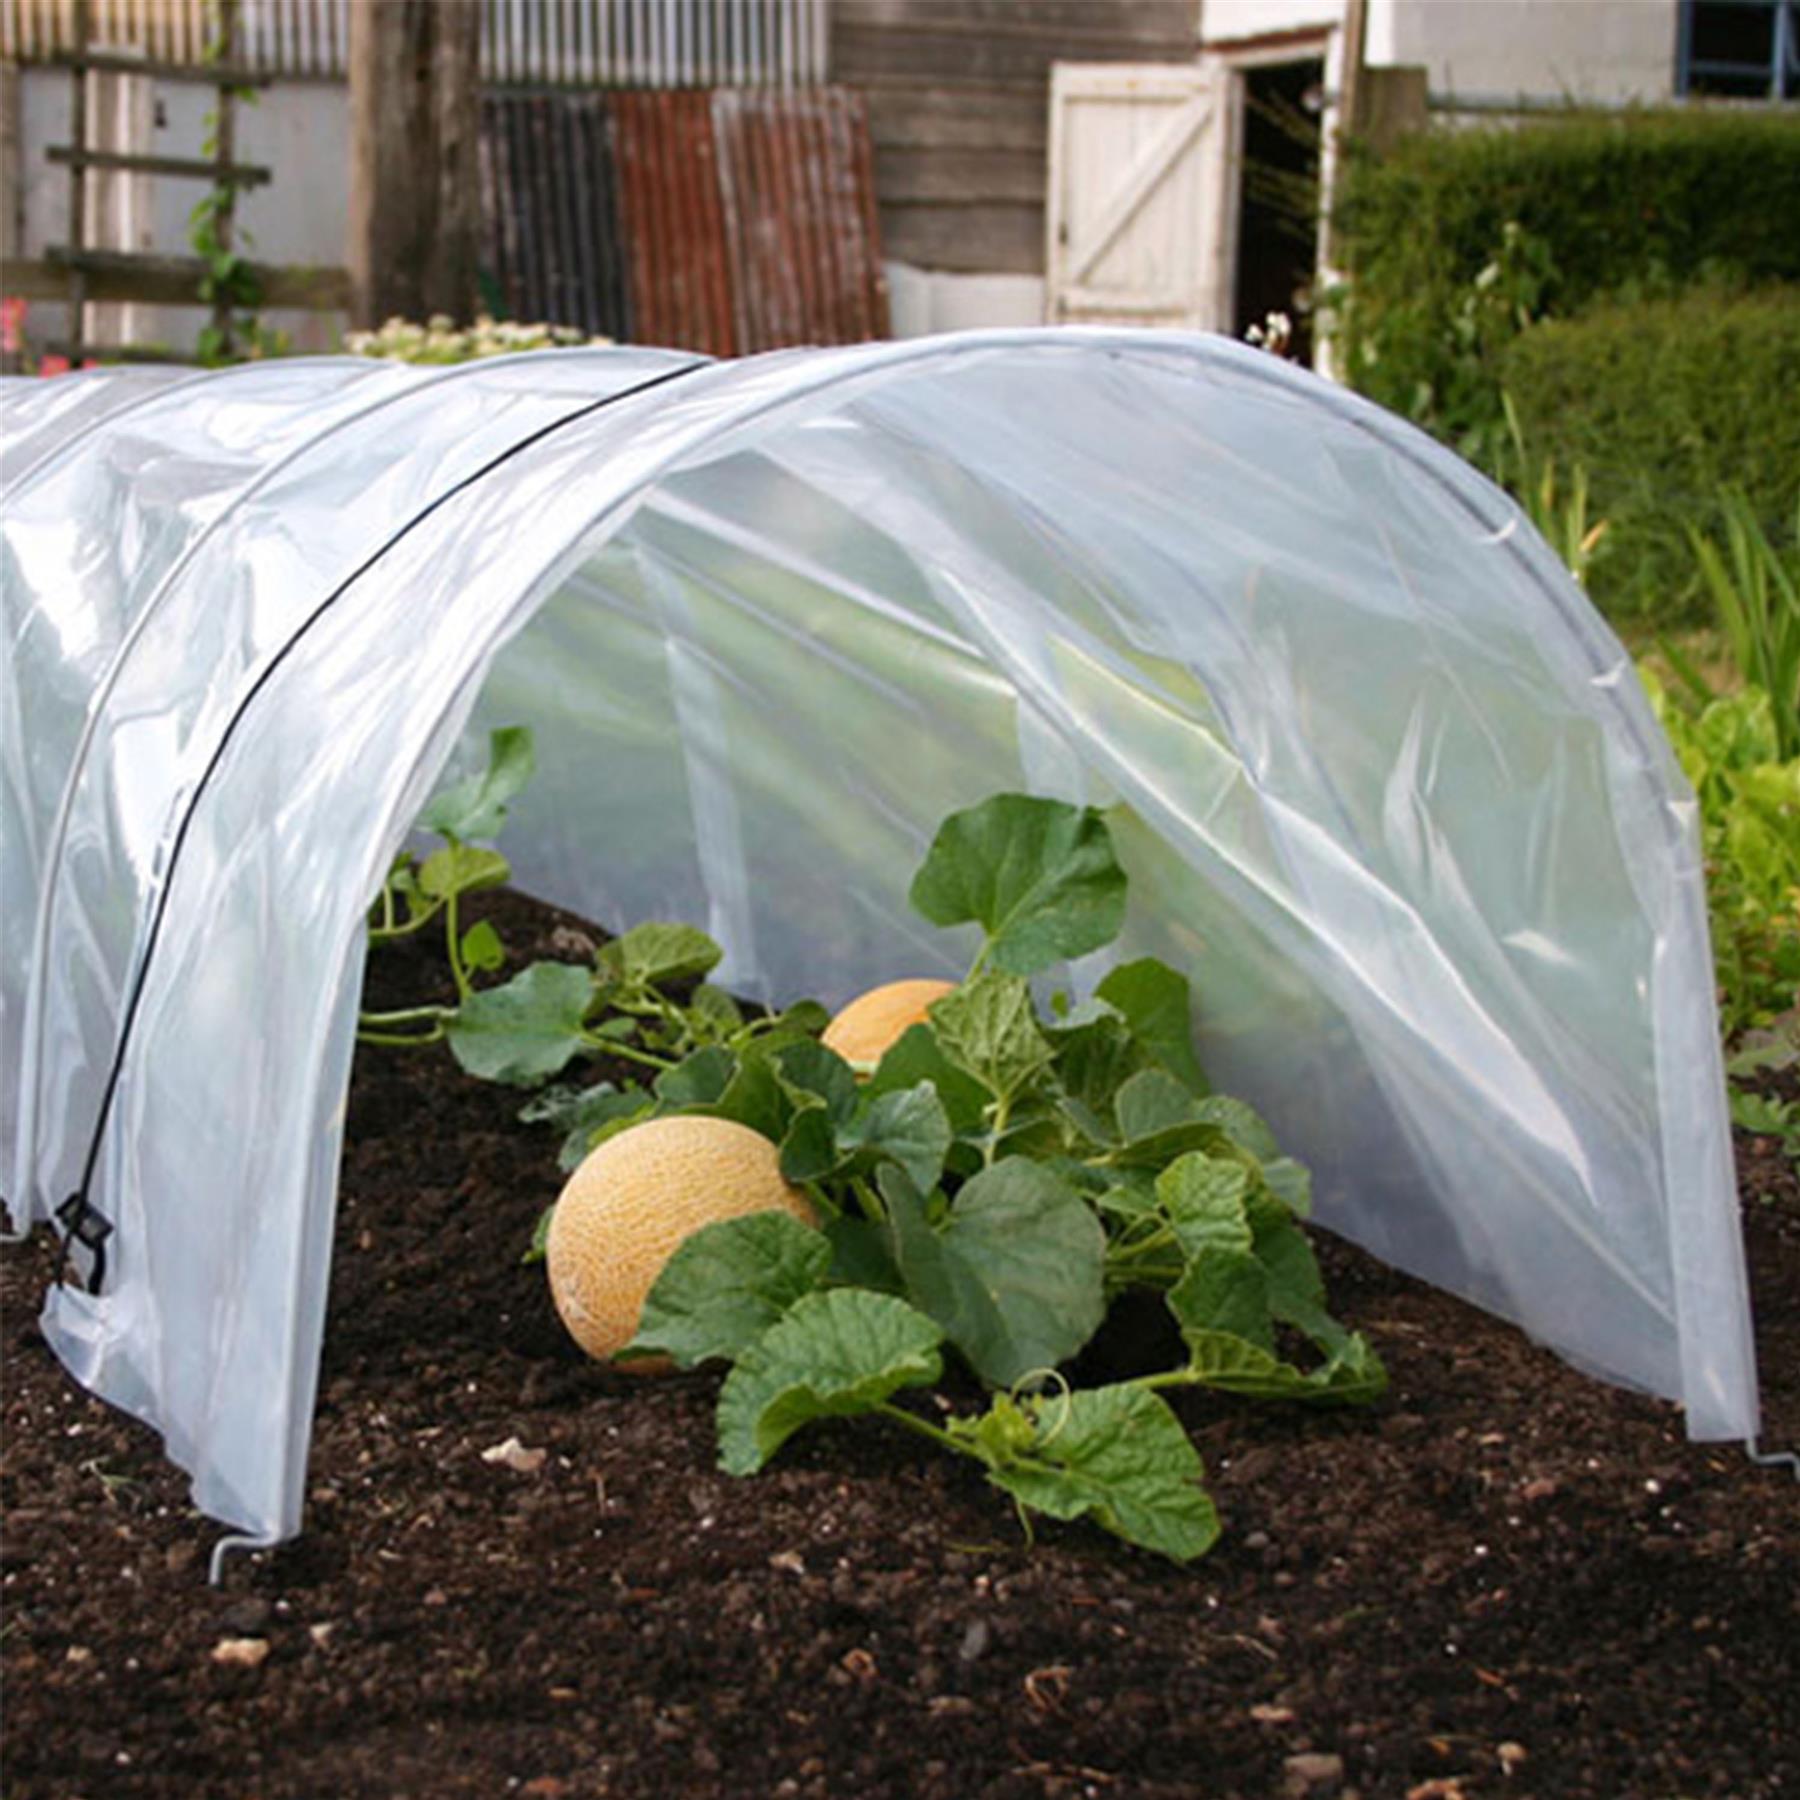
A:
(1389, 795)
(112, 480)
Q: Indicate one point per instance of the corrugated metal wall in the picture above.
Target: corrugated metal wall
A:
(655, 43)
(525, 43)
(727, 222)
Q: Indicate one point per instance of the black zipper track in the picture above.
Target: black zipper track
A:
(82, 1219)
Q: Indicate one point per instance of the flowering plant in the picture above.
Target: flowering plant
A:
(441, 340)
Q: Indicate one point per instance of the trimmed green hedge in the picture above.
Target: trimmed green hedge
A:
(1664, 403)
(1636, 204)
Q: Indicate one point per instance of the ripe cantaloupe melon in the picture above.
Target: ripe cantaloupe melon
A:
(632, 1201)
(870, 1025)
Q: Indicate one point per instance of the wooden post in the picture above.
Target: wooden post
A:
(1352, 78)
(1394, 102)
(414, 217)
(224, 148)
(1356, 57)
(78, 216)
(12, 147)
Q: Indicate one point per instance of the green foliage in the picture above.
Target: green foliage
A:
(544, 1017)
(228, 284)
(475, 807)
(526, 1029)
(1729, 748)
(1115, 1453)
(1038, 876)
(1559, 508)
(1762, 1057)
(1012, 1269)
(1464, 245)
(1670, 407)
(1755, 592)
(830, 1355)
(991, 1185)
(1433, 355)
(734, 1279)
(988, 1028)
(1156, 1004)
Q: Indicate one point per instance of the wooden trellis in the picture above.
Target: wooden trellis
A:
(81, 260)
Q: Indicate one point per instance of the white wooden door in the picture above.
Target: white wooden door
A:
(1143, 194)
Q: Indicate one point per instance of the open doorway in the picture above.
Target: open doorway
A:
(1278, 203)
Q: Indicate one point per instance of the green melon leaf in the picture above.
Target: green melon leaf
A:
(462, 869)
(908, 1126)
(1152, 1102)
(917, 1056)
(699, 1079)
(1241, 1123)
(1290, 1182)
(603, 1109)
(1039, 876)
(482, 949)
(988, 1028)
(1225, 1291)
(653, 953)
(831, 1355)
(476, 807)
(1223, 1360)
(727, 1284)
(1204, 1198)
(809, 1147)
(527, 1028)
(754, 1097)
(1158, 1005)
(1015, 1273)
(1119, 1454)
(806, 1017)
(1094, 1060)
(812, 1069)
(1296, 1287)
(716, 1010)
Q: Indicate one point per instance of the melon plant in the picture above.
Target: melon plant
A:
(963, 1175)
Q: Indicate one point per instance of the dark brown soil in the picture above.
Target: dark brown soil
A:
(1503, 1580)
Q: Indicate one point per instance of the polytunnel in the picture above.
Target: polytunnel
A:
(1386, 787)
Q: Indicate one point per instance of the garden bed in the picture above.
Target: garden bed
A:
(1503, 1579)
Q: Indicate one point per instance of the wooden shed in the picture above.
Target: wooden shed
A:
(959, 96)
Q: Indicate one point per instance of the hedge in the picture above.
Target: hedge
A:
(1644, 203)
(1664, 403)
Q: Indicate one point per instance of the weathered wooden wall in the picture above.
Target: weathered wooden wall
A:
(959, 95)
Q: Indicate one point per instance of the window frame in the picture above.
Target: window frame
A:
(1780, 71)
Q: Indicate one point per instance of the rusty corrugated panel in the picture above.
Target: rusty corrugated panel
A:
(551, 236)
(671, 221)
(796, 181)
(728, 222)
